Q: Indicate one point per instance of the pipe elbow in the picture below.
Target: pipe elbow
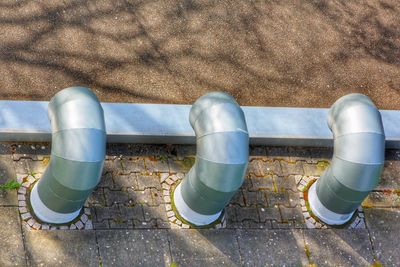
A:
(222, 143)
(357, 163)
(359, 142)
(77, 155)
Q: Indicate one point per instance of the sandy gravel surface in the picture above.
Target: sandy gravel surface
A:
(275, 53)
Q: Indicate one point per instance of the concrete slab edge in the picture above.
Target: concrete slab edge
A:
(169, 124)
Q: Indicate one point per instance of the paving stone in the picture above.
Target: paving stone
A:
(118, 222)
(272, 247)
(132, 212)
(61, 248)
(148, 181)
(106, 180)
(184, 151)
(319, 154)
(115, 197)
(133, 247)
(176, 166)
(247, 213)
(97, 198)
(204, 247)
(89, 225)
(289, 168)
(24, 151)
(156, 164)
(142, 197)
(230, 214)
(6, 169)
(270, 168)
(7, 197)
(125, 181)
(131, 164)
(157, 212)
(262, 183)
(101, 225)
(283, 225)
(84, 218)
(36, 166)
(381, 200)
(164, 176)
(390, 175)
(156, 196)
(385, 231)
(26, 216)
(315, 169)
(238, 198)
(291, 214)
(254, 167)
(23, 209)
(145, 225)
(104, 213)
(112, 166)
(339, 247)
(6, 149)
(287, 198)
(182, 166)
(285, 183)
(271, 213)
(21, 166)
(255, 198)
(43, 151)
(12, 247)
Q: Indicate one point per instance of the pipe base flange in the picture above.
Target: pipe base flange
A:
(47, 215)
(324, 214)
(190, 215)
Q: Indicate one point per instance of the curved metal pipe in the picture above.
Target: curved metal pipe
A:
(357, 163)
(222, 156)
(77, 155)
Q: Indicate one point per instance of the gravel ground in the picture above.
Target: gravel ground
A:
(264, 53)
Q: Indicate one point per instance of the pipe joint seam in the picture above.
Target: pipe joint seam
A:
(77, 155)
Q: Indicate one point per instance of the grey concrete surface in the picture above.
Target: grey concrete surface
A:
(12, 246)
(272, 248)
(339, 247)
(384, 230)
(204, 248)
(134, 248)
(61, 248)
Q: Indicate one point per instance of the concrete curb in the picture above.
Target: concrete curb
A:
(169, 124)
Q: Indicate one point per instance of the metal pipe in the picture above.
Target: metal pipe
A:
(357, 163)
(222, 156)
(77, 156)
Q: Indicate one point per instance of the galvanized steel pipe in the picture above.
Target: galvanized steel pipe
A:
(359, 151)
(222, 156)
(77, 155)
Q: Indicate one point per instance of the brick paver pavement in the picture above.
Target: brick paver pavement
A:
(131, 221)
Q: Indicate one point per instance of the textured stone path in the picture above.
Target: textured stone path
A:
(131, 221)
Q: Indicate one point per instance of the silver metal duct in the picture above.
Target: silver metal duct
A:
(222, 156)
(77, 155)
(359, 151)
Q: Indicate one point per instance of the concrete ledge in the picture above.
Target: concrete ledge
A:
(169, 124)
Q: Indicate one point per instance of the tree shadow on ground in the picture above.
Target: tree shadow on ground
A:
(174, 51)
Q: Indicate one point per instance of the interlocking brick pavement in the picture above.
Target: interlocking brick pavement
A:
(137, 180)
